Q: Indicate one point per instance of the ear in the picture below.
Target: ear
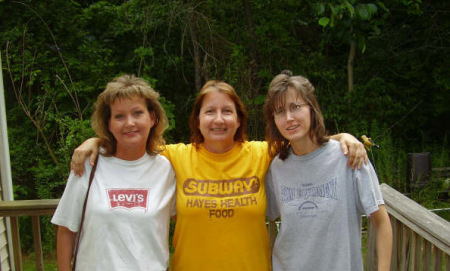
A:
(197, 119)
(238, 120)
(154, 119)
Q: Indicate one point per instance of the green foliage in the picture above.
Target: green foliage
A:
(58, 56)
(389, 160)
(441, 154)
(351, 21)
(169, 107)
(428, 196)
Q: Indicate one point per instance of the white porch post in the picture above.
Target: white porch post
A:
(5, 164)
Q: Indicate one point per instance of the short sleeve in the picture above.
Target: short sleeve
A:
(70, 207)
(368, 189)
(273, 211)
(173, 208)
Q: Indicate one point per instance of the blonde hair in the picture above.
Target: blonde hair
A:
(128, 86)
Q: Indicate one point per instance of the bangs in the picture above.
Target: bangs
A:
(278, 99)
(127, 92)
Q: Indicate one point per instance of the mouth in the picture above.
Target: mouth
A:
(293, 127)
(218, 129)
(130, 133)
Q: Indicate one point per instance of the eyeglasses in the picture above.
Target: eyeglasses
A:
(293, 109)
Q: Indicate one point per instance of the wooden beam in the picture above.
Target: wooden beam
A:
(427, 224)
(32, 208)
(16, 244)
(37, 243)
(28, 207)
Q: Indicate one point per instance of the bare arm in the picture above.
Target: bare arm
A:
(87, 148)
(64, 248)
(352, 147)
(383, 229)
(272, 232)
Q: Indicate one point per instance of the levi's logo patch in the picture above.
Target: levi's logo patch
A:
(128, 198)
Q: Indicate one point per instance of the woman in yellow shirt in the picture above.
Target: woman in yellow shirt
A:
(221, 198)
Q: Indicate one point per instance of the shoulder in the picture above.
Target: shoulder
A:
(332, 154)
(277, 163)
(175, 149)
(75, 182)
(333, 147)
(161, 159)
(164, 164)
(332, 144)
(256, 149)
(255, 145)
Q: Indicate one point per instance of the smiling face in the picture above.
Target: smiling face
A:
(130, 123)
(218, 122)
(293, 120)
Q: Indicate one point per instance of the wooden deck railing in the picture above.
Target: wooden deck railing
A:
(421, 238)
(34, 209)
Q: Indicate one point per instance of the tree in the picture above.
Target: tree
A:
(351, 22)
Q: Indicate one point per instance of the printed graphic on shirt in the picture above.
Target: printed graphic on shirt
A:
(128, 198)
(220, 198)
(307, 201)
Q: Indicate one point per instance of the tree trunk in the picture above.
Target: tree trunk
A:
(255, 123)
(196, 50)
(254, 54)
(351, 58)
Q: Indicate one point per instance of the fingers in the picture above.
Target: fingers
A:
(88, 148)
(93, 156)
(77, 162)
(344, 147)
(357, 155)
(354, 149)
(353, 161)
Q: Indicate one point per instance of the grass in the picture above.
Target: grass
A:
(29, 264)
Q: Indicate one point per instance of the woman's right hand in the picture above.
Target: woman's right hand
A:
(87, 148)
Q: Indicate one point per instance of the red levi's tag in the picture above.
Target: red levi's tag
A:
(128, 198)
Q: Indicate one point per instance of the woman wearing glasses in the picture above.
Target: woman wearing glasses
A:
(319, 200)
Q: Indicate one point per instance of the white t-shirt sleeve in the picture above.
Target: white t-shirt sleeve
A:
(70, 207)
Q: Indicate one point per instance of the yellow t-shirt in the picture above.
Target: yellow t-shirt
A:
(221, 208)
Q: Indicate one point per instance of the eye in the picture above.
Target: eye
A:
(279, 111)
(295, 107)
(118, 116)
(138, 112)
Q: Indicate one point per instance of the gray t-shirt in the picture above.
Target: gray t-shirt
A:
(320, 201)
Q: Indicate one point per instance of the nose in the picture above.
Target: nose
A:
(130, 121)
(288, 115)
(218, 117)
